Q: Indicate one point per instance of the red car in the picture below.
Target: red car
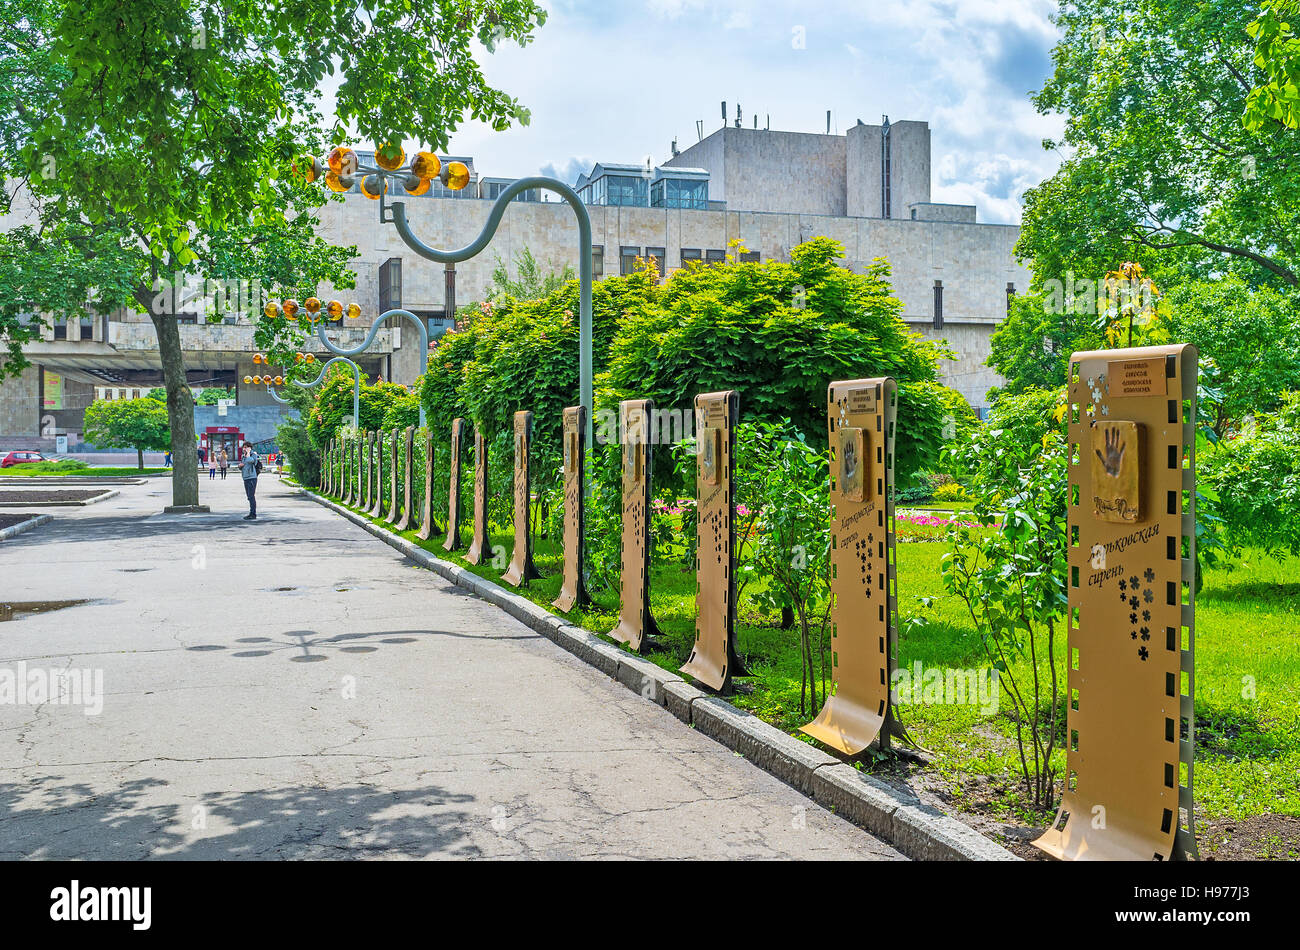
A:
(20, 458)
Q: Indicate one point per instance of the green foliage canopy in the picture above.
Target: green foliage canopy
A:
(779, 334)
(139, 424)
(1257, 479)
(1161, 168)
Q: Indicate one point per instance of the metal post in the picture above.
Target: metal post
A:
(370, 338)
(480, 242)
(356, 387)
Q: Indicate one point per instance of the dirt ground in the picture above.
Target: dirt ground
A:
(44, 496)
(981, 805)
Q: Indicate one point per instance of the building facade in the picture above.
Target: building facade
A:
(768, 190)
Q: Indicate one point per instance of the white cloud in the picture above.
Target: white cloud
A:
(612, 81)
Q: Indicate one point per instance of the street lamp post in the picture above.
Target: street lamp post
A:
(341, 170)
(356, 387)
(425, 337)
(398, 218)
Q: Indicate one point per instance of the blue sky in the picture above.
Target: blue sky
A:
(617, 81)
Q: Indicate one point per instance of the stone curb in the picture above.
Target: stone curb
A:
(917, 830)
(22, 526)
(105, 496)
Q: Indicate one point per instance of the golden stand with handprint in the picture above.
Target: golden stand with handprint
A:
(573, 586)
(861, 415)
(713, 660)
(480, 544)
(635, 622)
(1132, 562)
(453, 541)
(521, 569)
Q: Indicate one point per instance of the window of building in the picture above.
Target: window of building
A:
(680, 193)
(715, 256)
(597, 260)
(60, 330)
(938, 305)
(750, 257)
(627, 259)
(691, 255)
(626, 191)
(1011, 294)
(390, 284)
(660, 256)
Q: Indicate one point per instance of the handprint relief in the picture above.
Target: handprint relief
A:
(1114, 456)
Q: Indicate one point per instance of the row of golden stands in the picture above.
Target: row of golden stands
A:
(1131, 561)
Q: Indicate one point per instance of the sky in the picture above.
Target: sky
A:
(618, 80)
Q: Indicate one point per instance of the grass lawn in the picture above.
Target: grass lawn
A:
(1247, 679)
(75, 468)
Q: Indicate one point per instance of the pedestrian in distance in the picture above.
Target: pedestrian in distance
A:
(223, 462)
(212, 466)
(249, 467)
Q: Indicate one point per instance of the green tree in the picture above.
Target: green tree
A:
(1011, 579)
(792, 546)
(530, 282)
(139, 424)
(1257, 479)
(1276, 101)
(1249, 342)
(1161, 170)
(210, 397)
(159, 139)
(1031, 347)
(523, 354)
(779, 334)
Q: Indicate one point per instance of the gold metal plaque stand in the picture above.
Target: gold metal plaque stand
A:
(345, 494)
(521, 569)
(367, 468)
(861, 415)
(354, 473)
(377, 508)
(408, 443)
(480, 543)
(1132, 565)
(453, 541)
(573, 587)
(394, 455)
(635, 623)
(713, 660)
(427, 527)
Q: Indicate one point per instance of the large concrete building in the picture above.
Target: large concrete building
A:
(769, 190)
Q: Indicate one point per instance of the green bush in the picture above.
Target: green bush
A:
(951, 492)
(779, 334)
(304, 460)
(1257, 479)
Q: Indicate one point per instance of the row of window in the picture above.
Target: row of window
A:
(627, 258)
(639, 192)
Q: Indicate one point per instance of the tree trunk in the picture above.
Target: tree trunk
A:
(180, 409)
(139, 458)
(787, 618)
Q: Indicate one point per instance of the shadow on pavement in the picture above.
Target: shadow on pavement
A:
(54, 818)
(308, 646)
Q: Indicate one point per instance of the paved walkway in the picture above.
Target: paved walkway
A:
(293, 688)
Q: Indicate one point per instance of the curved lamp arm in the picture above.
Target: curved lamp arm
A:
(356, 387)
(480, 242)
(370, 338)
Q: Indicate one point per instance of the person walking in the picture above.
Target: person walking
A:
(223, 462)
(212, 465)
(249, 467)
